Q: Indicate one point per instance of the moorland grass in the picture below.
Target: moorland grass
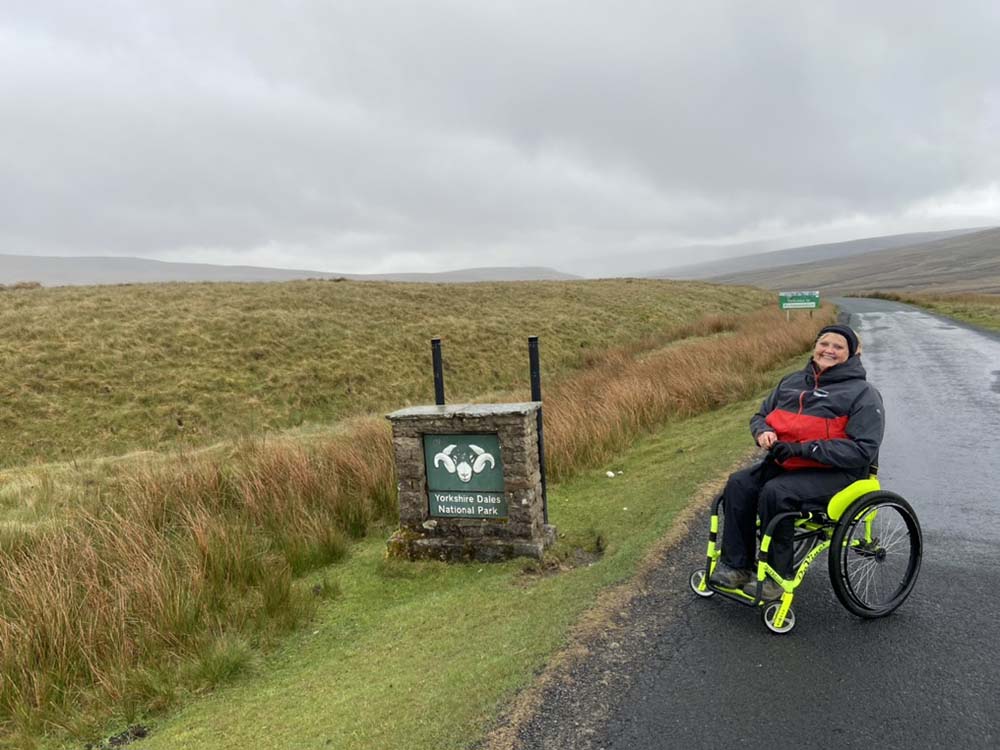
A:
(979, 309)
(99, 371)
(425, 655)
(175, 565)
(98, 609)
(593, 414)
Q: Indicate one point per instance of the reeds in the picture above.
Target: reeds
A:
(595, 414)
(184, 556)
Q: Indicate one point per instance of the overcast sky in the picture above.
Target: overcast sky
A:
(369, 136)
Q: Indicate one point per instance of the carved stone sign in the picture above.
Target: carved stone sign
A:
(469, 482)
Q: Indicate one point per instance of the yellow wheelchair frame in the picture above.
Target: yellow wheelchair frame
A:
(875, 545)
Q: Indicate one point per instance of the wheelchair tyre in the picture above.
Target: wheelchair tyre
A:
(875, 554)
(695, 580)
(770, 610)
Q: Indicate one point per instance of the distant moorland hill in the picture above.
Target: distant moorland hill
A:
(761, 260)
(89, 271)
(968, 262)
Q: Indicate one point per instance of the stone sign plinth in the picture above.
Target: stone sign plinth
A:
(469, 483)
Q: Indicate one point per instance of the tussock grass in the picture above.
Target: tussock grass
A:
(183, 561)
(592, 416)
(978, 309)
(91, 372)
(168, 569)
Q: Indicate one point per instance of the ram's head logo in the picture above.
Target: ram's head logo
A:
(464, 461)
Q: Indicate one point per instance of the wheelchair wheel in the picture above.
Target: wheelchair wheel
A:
(875, 554)
(695, 582)
(770, 611)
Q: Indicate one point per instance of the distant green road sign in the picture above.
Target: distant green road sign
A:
(798, 300)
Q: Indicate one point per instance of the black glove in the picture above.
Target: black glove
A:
(781, 452)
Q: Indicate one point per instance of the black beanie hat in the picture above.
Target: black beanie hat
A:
(847, 333)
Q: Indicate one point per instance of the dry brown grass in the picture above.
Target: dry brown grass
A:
(591, 416)
(171, 561)
(93, 372)
(100, 611)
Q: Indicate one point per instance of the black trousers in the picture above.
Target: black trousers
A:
(768, 489)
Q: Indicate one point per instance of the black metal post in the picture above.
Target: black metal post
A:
(438, 372)
(536, 395)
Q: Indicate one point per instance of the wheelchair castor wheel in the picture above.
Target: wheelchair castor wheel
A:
(771, 611)
(697, 582)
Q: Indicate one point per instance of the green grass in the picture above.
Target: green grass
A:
(164, 574)
(424, 655)
(982, 310)
(99, 371)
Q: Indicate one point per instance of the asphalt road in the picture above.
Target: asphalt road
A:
(676, 671)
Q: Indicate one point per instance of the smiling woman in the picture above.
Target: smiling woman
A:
(834, 346)
(823, 427)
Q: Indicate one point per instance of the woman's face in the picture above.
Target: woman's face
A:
(831, 349)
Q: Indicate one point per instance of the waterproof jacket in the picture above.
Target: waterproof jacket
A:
(836, 413)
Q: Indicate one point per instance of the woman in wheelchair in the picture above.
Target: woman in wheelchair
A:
(822, 427)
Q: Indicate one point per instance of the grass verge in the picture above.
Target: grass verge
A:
(978, 309)
(425, 655)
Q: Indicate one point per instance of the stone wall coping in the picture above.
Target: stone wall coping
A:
(464, 410)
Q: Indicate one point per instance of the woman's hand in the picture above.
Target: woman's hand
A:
(781, 452)
(766, 439)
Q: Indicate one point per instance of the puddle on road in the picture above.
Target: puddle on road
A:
(996, 384)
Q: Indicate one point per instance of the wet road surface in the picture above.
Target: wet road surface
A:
(683, 672)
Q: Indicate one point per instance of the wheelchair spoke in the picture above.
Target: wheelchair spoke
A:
(865, 577)
(877, 556)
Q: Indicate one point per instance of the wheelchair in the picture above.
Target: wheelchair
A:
(875, 546)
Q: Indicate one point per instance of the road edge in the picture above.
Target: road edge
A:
(592, 626)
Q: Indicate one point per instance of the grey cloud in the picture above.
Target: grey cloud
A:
(348, 136)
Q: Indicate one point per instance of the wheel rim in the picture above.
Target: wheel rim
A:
(696, 579)
(881, 551)
(771, 610)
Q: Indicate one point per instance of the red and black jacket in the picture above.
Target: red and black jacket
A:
(836, 412)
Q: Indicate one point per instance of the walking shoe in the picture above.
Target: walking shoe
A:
(729, 578)
(771, 590)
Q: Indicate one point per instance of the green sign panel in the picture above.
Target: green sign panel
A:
(464, 476)
(798, 300)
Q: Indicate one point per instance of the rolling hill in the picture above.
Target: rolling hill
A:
(968, 262)
(87, 271)
(760, 260)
